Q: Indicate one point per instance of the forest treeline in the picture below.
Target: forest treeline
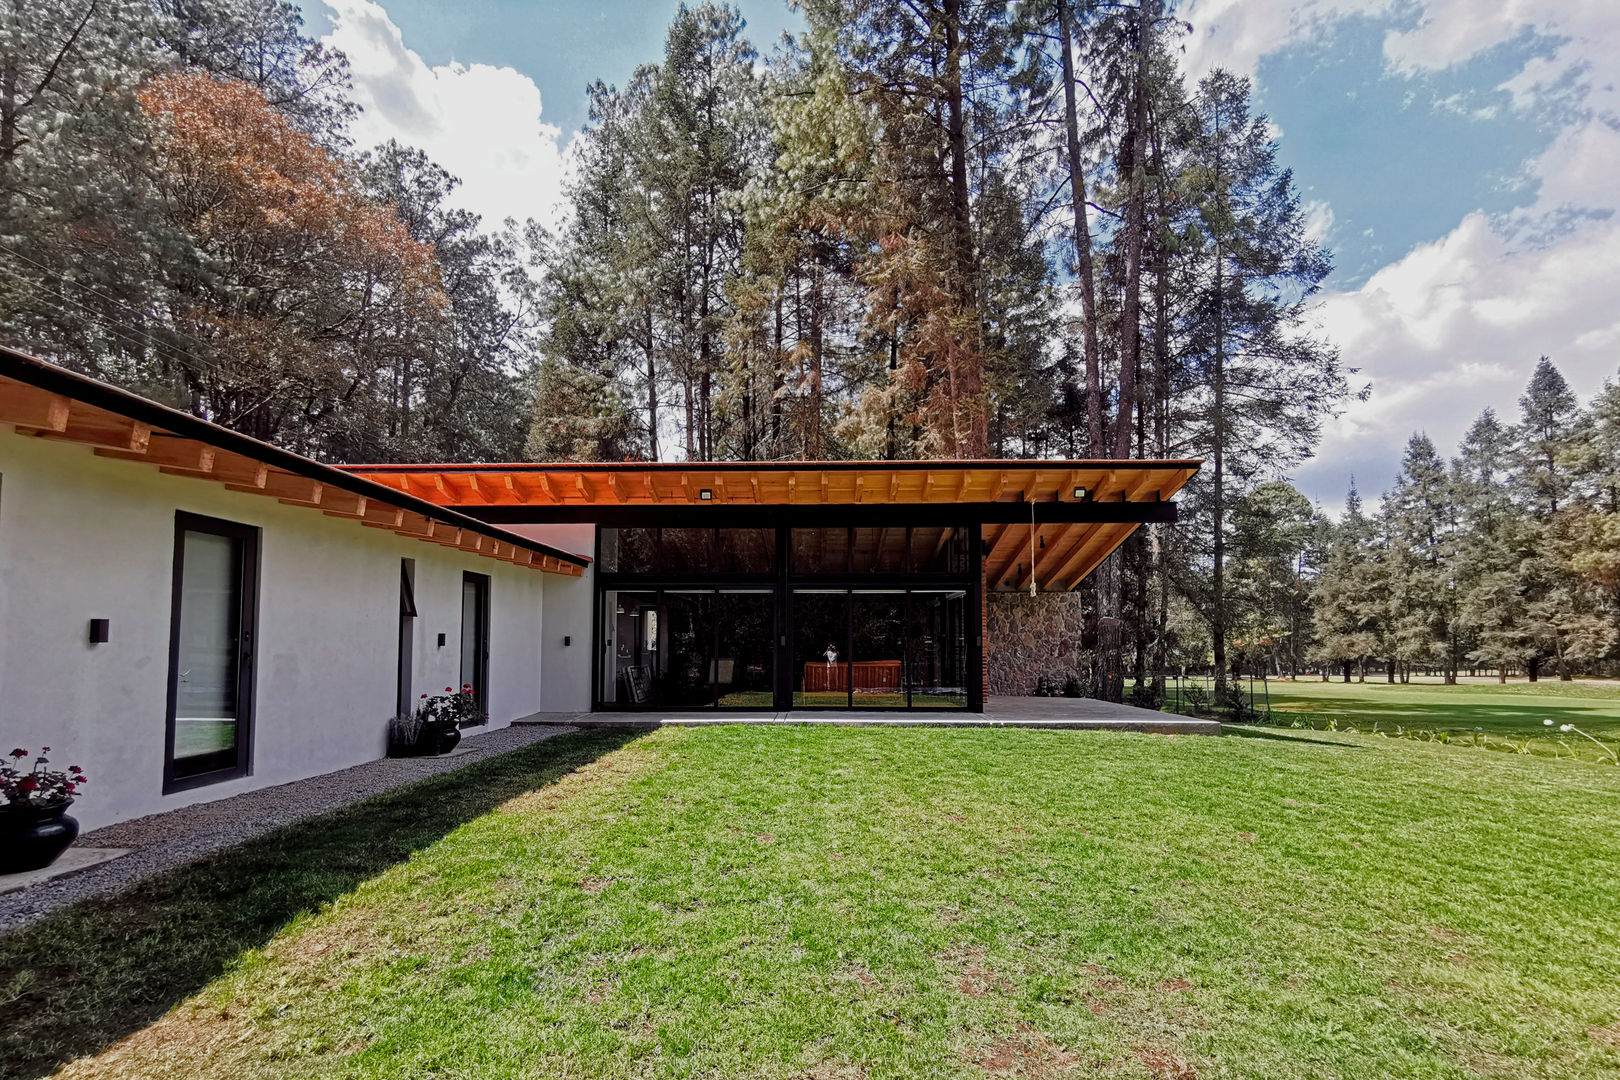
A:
(942, 228)
(1506, 559)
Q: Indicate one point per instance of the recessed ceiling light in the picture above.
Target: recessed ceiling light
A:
(705, 494)
(1079, 492)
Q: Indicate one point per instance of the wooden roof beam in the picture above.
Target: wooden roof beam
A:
(165, 449)
(92, 427)
(30, 407)
(1102, 540)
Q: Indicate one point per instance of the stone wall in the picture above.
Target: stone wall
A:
(1030, 639)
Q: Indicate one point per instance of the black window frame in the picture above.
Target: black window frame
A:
(248, 573)
(783, 582)
(480, 679)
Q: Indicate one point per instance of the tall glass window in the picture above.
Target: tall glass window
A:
(820, 647)
(937, 675)
(745, 653)
(878, 649)
(212, 651)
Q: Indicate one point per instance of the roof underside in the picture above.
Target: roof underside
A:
(1056, 554)
(50, 403)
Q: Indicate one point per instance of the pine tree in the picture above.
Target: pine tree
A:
(1262, 386)
(1423, 528)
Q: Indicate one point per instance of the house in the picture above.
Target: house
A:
(190, 613)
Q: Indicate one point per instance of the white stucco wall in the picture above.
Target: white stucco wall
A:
(85, 537)
(566, 669)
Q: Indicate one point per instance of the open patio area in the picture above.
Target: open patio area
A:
(1050, 713)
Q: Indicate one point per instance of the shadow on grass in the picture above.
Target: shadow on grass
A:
(1251, 731)
(85, 977)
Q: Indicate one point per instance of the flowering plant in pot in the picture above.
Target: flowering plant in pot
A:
(34, 825)
(440, 718)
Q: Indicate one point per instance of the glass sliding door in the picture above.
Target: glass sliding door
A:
(211, 650)
(745, 648)
(937, 675)
(687, 622)
(878, 649)
(629, 647)
(821, 647)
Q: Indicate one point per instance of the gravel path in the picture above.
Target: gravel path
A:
(163, 841)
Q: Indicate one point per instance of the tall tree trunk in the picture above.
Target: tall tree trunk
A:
(970, 420)
(652, 389)
(1082, 238)
(1135, 211)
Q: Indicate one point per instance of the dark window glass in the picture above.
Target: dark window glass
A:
(878, 650)
(745, 661)
(627, 551)
(688, 628)
(746, 551)
(939, 550)
(937, 673)
(820, 647)
(212, 649)
(821, 551)
(686, 551)
(881, 549)
(630, 645)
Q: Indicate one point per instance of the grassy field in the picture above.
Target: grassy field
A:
(1516, 708)
(842, 903)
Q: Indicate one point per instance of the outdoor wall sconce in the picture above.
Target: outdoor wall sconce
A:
(1079, 492)
(98, 631)
(441, 641)
(705, 495)
(568, 639)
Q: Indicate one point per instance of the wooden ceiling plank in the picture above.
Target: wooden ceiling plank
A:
(1020, 551)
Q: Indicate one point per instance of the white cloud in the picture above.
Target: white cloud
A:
(480, 122)
(1456, 325)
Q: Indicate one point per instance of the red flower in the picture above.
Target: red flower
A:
(26, 784)
(19, 753)
(44, 749)
(449, 689)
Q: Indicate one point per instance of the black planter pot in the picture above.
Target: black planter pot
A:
(31, 837)
(437, 739)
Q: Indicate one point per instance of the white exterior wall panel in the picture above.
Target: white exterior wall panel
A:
(85, 537)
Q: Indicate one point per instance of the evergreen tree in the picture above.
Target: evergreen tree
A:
(1423, 527)
(1261, 386)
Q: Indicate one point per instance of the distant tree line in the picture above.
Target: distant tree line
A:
(1504, 560)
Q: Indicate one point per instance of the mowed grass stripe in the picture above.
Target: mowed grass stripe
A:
(742, 902)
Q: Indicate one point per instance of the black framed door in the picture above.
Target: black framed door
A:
(475, 641)
(209, 729)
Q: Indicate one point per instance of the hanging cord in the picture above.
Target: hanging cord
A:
(1032, 548)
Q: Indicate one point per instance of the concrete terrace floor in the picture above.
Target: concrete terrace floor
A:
(1055, 713)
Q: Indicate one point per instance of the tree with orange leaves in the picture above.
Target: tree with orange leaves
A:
(290, 289)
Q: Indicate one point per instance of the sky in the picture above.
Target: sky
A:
(1460, 157)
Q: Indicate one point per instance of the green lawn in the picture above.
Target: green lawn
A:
(1517, 708)
(799, 902)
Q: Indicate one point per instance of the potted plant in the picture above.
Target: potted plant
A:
(34, 825)
(435, 727)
